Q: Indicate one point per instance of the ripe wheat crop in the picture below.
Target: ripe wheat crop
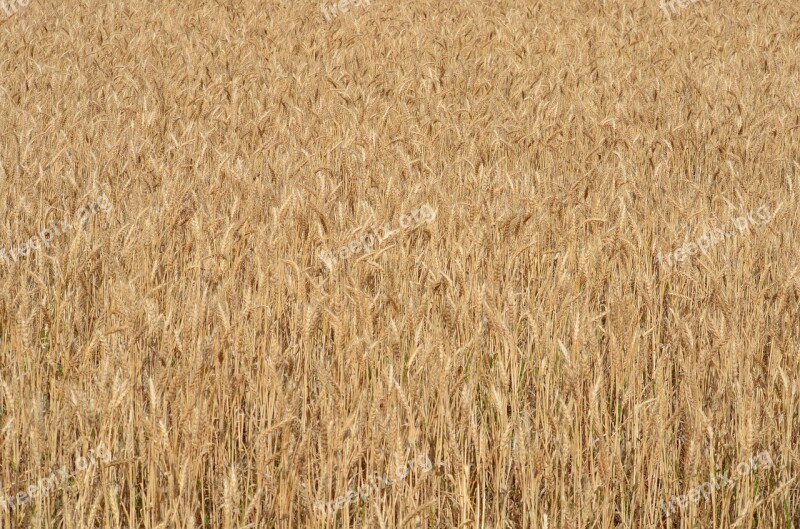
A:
(526, 341)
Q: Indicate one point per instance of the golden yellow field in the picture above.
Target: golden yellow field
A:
(420, 264)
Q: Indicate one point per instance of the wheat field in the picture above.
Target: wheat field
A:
(415, 264)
